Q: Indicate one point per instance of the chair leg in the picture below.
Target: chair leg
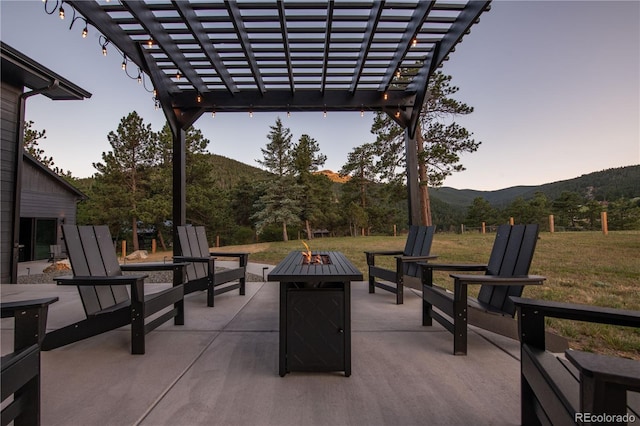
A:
(137, 318)
(459, 319)
(210, 293)
(370, 263)
(242, 286)
(399, 282)
(427, 280)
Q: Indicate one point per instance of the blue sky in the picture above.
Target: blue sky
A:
(555, 86)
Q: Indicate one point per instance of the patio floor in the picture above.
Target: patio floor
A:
(221, 368)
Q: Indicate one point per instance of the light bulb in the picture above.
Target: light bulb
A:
(85, 32)
(213, 114)
(104, 51)
(61, 12)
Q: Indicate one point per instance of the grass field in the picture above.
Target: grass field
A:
(581, 267)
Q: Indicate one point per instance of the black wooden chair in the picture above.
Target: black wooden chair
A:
(102, 286)
(505, 275)
(416, 250)
(556, 391)
(201, 273)
(20, 376)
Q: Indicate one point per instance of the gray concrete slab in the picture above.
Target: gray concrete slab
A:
(221, 367)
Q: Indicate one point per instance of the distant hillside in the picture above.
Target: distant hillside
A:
(228, 172)
(609, 184)
(333, 176)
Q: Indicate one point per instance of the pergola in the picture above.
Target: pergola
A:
(249, 56)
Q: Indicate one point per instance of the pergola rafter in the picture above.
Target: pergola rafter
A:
(285, 55)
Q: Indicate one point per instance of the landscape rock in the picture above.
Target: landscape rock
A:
(138, 254)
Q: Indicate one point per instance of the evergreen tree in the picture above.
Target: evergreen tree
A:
(124, 169)
(439, 141)
(481, 211)
(307, 159)
(281, 200)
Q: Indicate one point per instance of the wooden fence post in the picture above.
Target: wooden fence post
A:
(605, 225)
(217, 240)
(153, 246)
(511, 221)
(124, 249)
(484, 228)
(462, 228)
(395, 231)
(552, 228)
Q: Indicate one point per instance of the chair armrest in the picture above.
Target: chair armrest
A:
(93, 281)
(454, 266)
(191, 259)
(587, 313)
(621, 371)
(384, 253)
(152, 266)
(416, 258)
(496, 280)
(9, 309)
(230, 254)
(532, 314)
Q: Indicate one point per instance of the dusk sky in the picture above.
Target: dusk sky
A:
(555, 86)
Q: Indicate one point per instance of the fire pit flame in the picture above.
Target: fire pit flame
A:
(309, 258)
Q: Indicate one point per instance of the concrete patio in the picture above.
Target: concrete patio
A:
(221, 368)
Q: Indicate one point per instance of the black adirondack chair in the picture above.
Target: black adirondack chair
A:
(505, 275)
(104, 294)
(201, 273)
(20, 374)
(561, 391)
(416, 250)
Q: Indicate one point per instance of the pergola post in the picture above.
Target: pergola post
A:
(179, 184)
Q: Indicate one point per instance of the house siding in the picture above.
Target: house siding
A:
(8, 148)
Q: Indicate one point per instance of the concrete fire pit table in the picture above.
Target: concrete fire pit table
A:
(315, 312)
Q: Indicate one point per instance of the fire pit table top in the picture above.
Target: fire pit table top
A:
(292, 269)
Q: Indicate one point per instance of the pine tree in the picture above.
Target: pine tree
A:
(439, 141)
(281, 200)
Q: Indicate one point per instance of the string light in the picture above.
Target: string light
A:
(150, 42)
(250, 114)
(362, 113)
(139, 76)
(199, 98)
(178, 75)
(385, 96)
(61, 12)
(124, 63)
(324, 113)
(414, 43)
(213, 114)
(398, 112)
(85, 31)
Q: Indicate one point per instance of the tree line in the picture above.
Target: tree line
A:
(131, 189)
(571, 211)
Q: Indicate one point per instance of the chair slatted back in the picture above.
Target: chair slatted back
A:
(418, 244)
(193, 243)
(511, 255)
(91, 253)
